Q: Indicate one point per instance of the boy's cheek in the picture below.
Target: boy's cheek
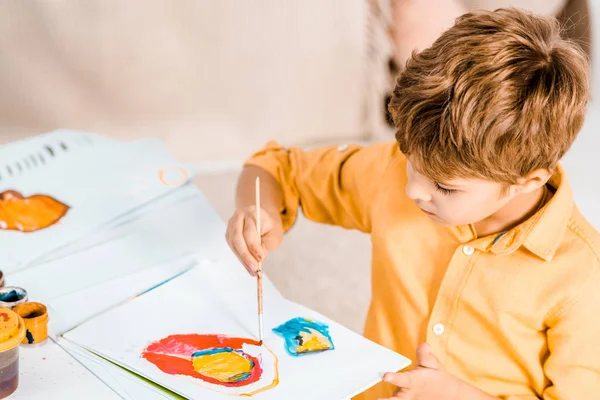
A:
(456, 215)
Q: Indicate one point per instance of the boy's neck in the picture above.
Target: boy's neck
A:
(518, 210)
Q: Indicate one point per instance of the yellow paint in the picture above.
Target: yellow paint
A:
(313, 341)
(275, 381)
(225, 366)
(271, 386)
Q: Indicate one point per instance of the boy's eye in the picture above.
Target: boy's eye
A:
(443, 190)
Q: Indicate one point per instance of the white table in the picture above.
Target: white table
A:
(48, 372)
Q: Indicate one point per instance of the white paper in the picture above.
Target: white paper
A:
(100, 183)
(182, 219)
(213, 299)
(123, 261)
(37, 152)
(78, 305)
(125, 384)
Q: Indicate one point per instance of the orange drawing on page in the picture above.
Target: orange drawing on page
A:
(230, 365)
(174, 175)
(29, 214)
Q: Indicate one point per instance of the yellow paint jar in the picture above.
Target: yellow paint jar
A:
(12, 332)
(35, 316)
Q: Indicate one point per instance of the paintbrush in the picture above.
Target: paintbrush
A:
(259, 272)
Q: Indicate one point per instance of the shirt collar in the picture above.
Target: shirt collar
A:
(542, 233)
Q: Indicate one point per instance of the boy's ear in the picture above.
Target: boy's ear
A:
(533, 181)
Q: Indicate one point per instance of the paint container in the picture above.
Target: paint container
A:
(10, 296)
(35, 316)
(1, 279)
(12, 332)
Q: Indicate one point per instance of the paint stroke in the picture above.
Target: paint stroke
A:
(226, 365)
(227, 362)
(29, 214)
(213, 358)
(305, 336)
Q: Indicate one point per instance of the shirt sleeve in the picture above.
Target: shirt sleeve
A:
(573, 335)
(334, 185)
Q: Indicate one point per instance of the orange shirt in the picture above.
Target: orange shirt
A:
(513, 314)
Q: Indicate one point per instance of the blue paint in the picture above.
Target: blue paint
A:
(29, 337)
(291, 332)
(11, 296)
(212, 351)
(239, 377)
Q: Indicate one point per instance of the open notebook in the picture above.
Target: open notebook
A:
(56, 188)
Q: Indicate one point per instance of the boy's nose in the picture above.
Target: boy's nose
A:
(417, 193)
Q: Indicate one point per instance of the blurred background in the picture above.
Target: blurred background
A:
(216, 79)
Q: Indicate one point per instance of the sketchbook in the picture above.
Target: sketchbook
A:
(56, 188)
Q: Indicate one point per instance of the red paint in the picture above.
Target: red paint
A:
(173, 355)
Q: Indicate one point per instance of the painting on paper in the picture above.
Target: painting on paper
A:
(54, 204)
(230, 365)
(31, 213)
(197, 336)
(304, 336)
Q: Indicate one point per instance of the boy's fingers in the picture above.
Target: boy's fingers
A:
(400, 379)
(239, 246)
(244, 256)
(241, 260)
(229, 233)
(242, 237)
(243, 263)
(426, 359)
(251, 238)
(230, 242)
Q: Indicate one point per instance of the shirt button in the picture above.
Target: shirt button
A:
(342, 147)
(438, 329)
(468, 250)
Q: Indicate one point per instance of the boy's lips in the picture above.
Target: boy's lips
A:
(427, 212)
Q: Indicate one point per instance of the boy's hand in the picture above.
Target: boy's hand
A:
(429, 381)
(242, 236)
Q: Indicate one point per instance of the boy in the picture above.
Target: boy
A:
(482, 266)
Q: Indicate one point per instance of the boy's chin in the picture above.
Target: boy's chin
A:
(443, 222)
